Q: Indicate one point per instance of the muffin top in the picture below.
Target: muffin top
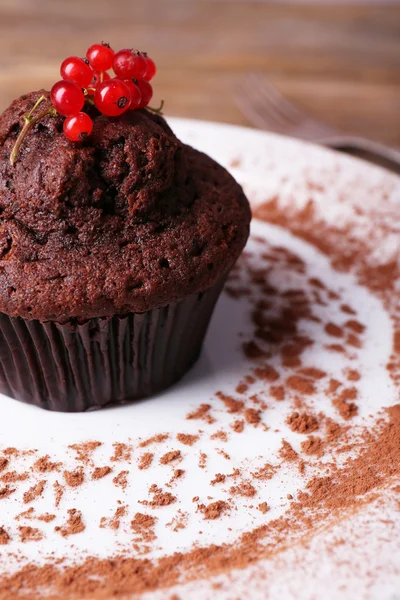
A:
(127, 221)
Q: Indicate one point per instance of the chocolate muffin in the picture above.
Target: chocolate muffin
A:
(113, 252)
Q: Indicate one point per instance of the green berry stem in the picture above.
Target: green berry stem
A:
(157, 111)
(29, 123)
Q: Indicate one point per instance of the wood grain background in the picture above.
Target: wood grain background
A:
(340, 62)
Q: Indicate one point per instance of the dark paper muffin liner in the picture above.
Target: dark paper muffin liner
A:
(76, 367)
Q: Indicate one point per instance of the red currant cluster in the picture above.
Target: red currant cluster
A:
(88, 79)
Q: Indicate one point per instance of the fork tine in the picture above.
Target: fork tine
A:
(264, 106)
(271, 94)
(257, 110)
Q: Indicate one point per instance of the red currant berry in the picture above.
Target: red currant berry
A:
(150, 69)
(147, 93)
(100, 57)
(112, 97)
(98, 77)
(75, 69)
(136, 96)
(67, 98)
(129, 63)
(78, 127)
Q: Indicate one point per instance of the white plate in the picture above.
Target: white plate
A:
(267, 166)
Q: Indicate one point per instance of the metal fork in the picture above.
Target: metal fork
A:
(265, 107)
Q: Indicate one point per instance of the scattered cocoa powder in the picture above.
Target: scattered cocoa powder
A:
(145, 460)
(45, 465)
(46, 517)
(266, 373)
(313, 373)
(241, 388)
(115, 522)
(122, 452)
(170, 457)
(214, 510)
(155, 439)
(219, 435)
(74, 478)
(252, 351)
(243, 489)
(34, 492)
(26, 514)
(100, 472)
(202, 460)
(266, 472)
(252, 416)
(30, 534)
(121, 480)
(142, 522)
(178, 474)
(277, 392)
(223, 453)
(3, 463)
(287, 452)
(202, 413)
(302, 423)
(58, 493)
(84, 451)
(334, 330)
(301, 385)
(313, 445)
(353, 375)
(237, 426)
(263, 507)
(160, 498)
(4, 537)
(232, 404)
(179, 521)
(13, 477)
(73, 525)
(187, 438)
(219, 478)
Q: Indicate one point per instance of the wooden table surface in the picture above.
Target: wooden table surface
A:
(341, 63)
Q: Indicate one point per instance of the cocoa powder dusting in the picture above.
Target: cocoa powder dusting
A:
(3, 463)
(187, 439)
(121, 480)
(214, 510)
(243, 489)
(202, 413)
(73, 525)
(58, 493)
(4, 537)
(287, 452)
(96, 577)
(169, 457)
(155, 439)
(100, 472)
(302, 423)
(34, 492)
(74, 478)
(145, 460)
(45, 465)
(237, 426)
(313, 445)
(30, 534)
(85, 450)
(121, 452)
(252, 416)
(232, 404)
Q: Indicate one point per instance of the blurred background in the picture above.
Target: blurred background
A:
(338, 60)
